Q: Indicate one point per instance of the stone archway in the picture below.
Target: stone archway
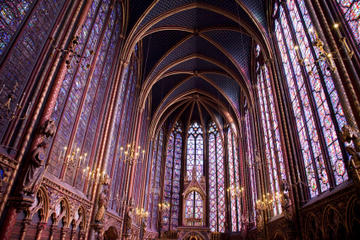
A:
(111, 234)
(194, 235)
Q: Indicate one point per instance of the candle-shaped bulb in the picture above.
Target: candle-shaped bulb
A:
(121, 149)
(336, 25)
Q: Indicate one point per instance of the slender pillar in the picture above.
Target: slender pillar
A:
(48, 110)
(40, 229)
(321, 15)
(86, 88)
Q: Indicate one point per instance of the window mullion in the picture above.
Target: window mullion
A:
(328, 101)
(94, 103)
(73, 80)
(172, 179)
(152, 184)
(234, 170)
(217, 182)
(298, 98)
(311, 99)
(268, 128)
(279, 163)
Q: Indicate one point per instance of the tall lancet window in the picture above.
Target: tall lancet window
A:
(194, 209)
(270, 126)
(351, 12)
(155, 180)
(234, 180)
(315, 102)
(81, 99)
(251, 162)
(172, 179)
(195, 151)
(12, 14)
(25, 27)
(216, 180)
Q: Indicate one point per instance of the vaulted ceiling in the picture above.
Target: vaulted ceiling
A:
(196, 53)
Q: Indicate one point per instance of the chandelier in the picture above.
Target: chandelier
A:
(267, 200)
(163, 206)
(324, 55)
(73, 157)
(141, 213)
(235, 191)
(132, 154)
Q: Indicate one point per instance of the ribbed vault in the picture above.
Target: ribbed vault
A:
(195, 51)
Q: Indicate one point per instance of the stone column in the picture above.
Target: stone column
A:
(317, 12)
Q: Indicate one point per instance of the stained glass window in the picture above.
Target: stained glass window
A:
(216, 180)
(117, 144)
(315, 102)
(82, 96)
(194, 209)
(72, 88)
(234, 180)
(31, 24)
(194, 151)
(251, 163)
(95, 95)
(351, 12)
(155, 180)
(273, 152)
(12, 15)
(127, 103)
(172, 179)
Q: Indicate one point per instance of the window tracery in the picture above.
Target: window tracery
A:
(22, 41)
(216, 179)
(172, 178)
(273, 151)
(194, 209)
(315, 102)
(155, 180)
(82, 96)
(234, 180)
(351, 12)
(251, 164)
(195, 153)
(12, 15)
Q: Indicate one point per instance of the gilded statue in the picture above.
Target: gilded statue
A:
(127, 221)
(259, 219)
(102, 204)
